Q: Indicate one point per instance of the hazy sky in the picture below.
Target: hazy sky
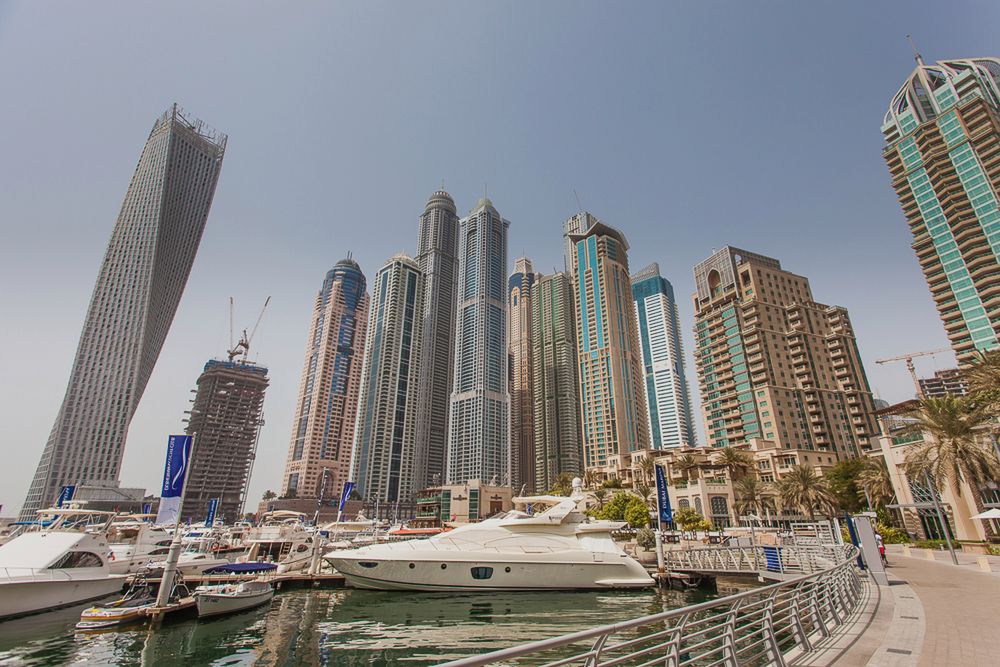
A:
(687, 125)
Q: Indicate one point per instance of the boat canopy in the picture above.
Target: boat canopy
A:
(242, 568)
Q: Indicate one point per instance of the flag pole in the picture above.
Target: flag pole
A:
(173, 555)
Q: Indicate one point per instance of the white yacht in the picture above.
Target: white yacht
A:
(559, 548)
(60, 563)
(281, 538)
(136, 543)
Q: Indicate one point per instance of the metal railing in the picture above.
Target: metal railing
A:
(756, 627)
(779, 560)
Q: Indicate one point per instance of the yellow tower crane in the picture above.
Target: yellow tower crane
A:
(908, 358)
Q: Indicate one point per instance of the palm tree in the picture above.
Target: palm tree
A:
(952, 450)
(646, 466)
(875, 482)
(806, 491)
(736, 461)
(591, 478)
(599, 495)
(983, 377)
(750, 495)
(563, 485)
(642, 490)
(686, 464)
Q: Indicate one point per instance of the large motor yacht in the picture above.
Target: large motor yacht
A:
(61, 562)
(559, 548)
(281, 538)
(135, 543)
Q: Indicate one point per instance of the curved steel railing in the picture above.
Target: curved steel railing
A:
(756, 627)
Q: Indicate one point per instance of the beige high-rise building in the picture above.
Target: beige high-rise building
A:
(323, 428)
(520, 293)
(773, 363)
(942, 146)
(612, 393)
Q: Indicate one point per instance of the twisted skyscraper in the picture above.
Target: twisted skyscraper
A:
(138, 288)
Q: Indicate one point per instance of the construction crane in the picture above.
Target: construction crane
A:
(243, 346)
(908, 358)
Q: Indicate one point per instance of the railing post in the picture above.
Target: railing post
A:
(674, 657)
(776, 658)
(729, 634)
(816, 610)
(798, 630)
(595, 659)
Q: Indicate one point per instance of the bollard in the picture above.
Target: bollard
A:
(984, 563)
(906, 550)
(930, 554)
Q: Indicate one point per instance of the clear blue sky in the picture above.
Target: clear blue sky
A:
(687, 125)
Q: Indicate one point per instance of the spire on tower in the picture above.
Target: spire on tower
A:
(916, 54)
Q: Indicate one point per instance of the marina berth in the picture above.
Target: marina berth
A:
(232, 598)
(60, 561)
(559, 548)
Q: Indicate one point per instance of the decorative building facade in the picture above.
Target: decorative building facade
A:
(386, 460)
(942, 146)
(138, 289)
(775, 365)
(520, 294)
(555, 393)
(225, 423)
(479, 443)
(437, 257)
(612, 393)
(667, 399)
(326, 411)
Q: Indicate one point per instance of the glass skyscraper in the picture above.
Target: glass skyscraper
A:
(325, 414)
(612, 393)
(479, 444)
(942, 137)
(670, 421)
(139, 286)
(385, 459)
(520, 294)
(437, 256)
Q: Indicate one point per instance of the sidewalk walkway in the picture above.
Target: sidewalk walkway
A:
(961, 607)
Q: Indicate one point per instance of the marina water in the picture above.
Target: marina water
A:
(341, 627)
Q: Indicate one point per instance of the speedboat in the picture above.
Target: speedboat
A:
(132, 607)
(231, 598)
(560, 548)
(60, 562)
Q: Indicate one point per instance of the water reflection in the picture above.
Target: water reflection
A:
(334, 627)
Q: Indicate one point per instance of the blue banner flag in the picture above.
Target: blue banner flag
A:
(213, 504)
(174, 474)
(65, 495)
(663, 498)
(147, 508)
(345, 494)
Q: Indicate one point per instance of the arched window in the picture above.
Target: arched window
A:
(714, 282)
(697, 506)
(720, 511)
(684, 503)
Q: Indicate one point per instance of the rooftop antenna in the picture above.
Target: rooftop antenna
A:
(916, 54)
(579, 206)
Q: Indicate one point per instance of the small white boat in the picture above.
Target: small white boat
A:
(231, 598)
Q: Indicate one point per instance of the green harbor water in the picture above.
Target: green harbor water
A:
(337, 627)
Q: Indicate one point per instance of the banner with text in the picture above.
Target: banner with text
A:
(65, 495)
(174, 473)
(345, 494)
(213, 505)
(663, 498)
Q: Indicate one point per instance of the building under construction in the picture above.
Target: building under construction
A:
(225, 422)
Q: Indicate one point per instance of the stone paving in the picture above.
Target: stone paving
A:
(959, 608)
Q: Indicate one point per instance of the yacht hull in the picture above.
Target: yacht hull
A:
(491, 574)
(210, 604)
(19, 598)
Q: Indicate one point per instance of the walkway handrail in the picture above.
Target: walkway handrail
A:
(753, 627)
(777, 560)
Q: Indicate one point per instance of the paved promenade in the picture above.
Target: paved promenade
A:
(942, 614)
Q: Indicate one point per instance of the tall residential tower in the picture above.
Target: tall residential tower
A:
(478, 441)
(670, 421)
(323, 427)
(139, 286)
(775, 365)
(942, 136)
(520, 293)
(386, 459)
(555, 392)
(437, 257)
(612, 392)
